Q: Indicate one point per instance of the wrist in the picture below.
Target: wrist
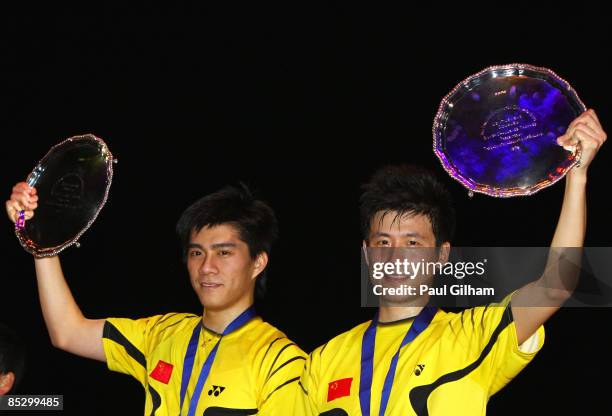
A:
(44, 259)
(577, 176)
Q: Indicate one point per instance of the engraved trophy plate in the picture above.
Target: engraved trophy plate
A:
(72, 183)
(496, 131)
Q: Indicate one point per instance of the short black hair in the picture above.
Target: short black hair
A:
(253, 218)
(408, 189)
(12, 354)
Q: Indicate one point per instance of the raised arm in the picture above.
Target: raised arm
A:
(68, 328)
(537, 301)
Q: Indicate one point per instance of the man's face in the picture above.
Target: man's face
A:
(221, 271)
(408, 237)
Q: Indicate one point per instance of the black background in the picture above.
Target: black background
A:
(302, 102)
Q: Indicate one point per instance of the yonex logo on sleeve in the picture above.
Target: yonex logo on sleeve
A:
(216, 390)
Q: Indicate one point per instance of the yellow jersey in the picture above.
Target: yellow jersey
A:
(254, 370)
(451, 368)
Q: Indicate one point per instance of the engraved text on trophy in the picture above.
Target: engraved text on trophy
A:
(67, 192)
(509, 125)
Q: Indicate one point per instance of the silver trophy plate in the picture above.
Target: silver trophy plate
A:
(496, 131)
(72, 183)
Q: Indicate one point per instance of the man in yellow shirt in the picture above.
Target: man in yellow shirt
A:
(413, 359)
(226, 361)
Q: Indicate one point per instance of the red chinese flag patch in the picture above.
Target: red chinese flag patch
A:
(339, 388)
(162, 371)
